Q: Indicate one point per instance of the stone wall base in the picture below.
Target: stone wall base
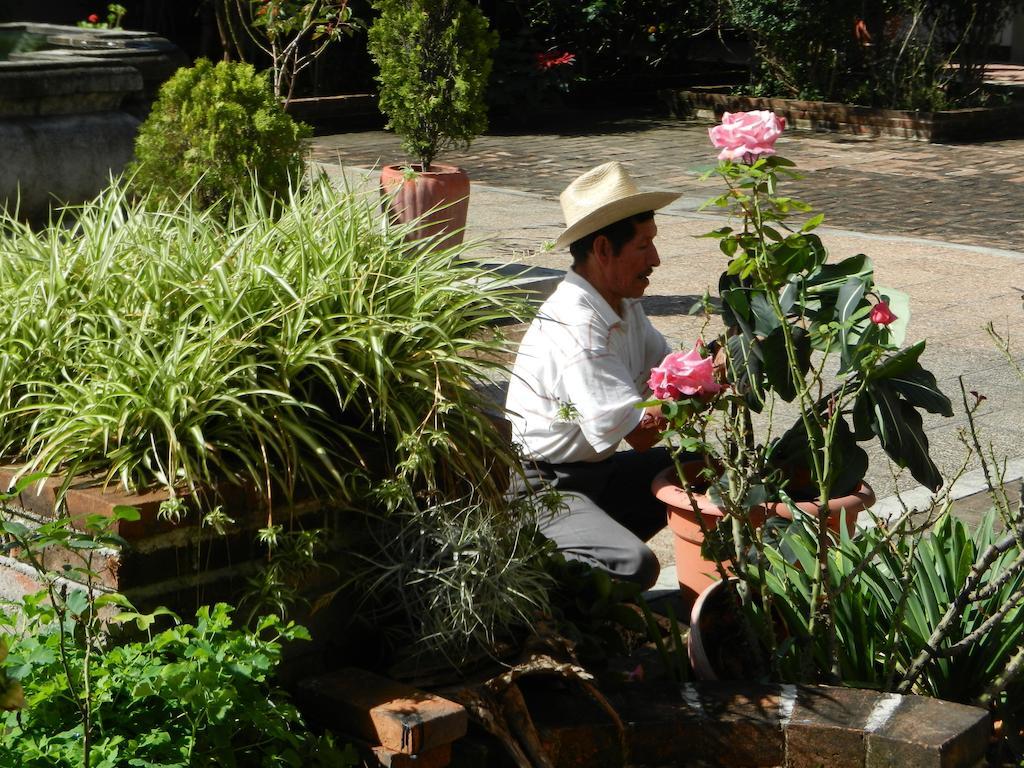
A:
(945, 126)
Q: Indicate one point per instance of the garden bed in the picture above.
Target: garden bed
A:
(160, 562)
(944, 126)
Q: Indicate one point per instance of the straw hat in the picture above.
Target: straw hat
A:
(602, 196)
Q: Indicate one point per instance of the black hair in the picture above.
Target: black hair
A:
(618, 233)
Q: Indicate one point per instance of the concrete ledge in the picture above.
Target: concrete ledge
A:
(943, 126)
(745, 725)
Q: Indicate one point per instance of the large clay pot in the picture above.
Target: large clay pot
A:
(694, 572)
(437, 199)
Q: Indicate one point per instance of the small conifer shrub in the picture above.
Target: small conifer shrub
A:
(212, 128)
(435, 59)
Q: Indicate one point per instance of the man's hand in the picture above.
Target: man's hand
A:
(648, 432)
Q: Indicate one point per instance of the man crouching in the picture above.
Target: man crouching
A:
(580, 373)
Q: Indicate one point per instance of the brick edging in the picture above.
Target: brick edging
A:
(743, 725)
(940, 126)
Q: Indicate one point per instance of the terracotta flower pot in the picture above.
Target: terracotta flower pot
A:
(695, 573)
(437, 199)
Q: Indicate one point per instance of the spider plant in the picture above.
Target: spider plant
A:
(306, 350)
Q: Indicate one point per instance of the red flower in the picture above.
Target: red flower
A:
(861, 33)
(550, 59)
(881, 314)
(93, 18)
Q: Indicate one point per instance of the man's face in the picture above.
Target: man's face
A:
(629, 272)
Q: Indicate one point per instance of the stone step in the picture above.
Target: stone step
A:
(745, 725)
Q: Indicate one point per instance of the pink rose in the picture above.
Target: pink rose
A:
(881, 314)
(747, 134)
(684, 373)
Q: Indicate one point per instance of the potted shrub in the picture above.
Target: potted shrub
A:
(434, 58)
(797, 330)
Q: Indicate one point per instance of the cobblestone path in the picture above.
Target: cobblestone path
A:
(963, 193)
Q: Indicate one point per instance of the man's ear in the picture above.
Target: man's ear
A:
(602, 248)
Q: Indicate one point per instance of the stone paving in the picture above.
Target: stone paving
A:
(967, 193)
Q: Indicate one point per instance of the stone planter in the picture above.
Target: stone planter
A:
(944, 126)
(70, 104)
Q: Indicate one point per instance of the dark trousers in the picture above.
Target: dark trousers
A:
(606, 510)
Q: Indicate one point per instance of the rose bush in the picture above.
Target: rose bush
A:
(684, 373)
(747, 135)
(821, 336)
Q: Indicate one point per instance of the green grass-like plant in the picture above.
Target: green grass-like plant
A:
(312, 352)
(211, 129)
(177, 349)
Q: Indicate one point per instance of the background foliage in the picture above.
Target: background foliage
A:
(610, 40)
(903, 54)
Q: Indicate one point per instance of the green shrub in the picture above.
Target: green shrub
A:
(211, 130)
(434, 58)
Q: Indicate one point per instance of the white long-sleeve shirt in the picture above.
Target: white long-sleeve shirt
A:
(579, 374)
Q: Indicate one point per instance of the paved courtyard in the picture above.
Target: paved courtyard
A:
(964, 193)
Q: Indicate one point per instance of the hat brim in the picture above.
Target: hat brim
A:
(616, 210)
